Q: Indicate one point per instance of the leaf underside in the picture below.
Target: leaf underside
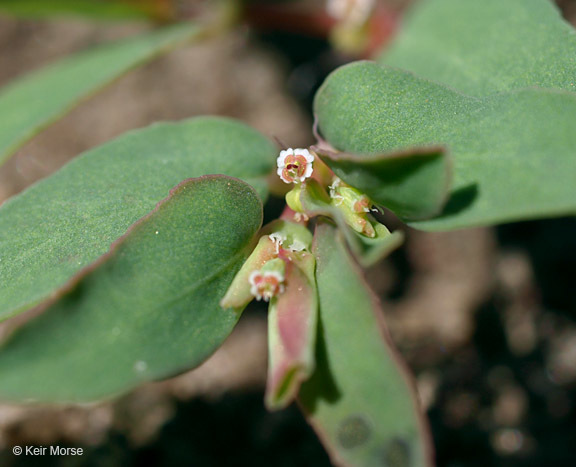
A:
(65, 222)
(146, 310)
(359, 399)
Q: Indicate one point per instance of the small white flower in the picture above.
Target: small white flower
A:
(353, 12)
(297, 245)
(334, 191)
(266, 284)
(278, 240)
(295, 165)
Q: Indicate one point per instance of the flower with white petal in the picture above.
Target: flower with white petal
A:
(351, 11)
(338, 198)
(278, 240)
(297, 245)
(295, 165)
(266, 284)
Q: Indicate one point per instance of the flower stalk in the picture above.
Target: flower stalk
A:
(280, 271)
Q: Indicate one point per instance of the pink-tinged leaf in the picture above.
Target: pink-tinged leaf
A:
(275, 236)
(292, 323)
(239, 295)
(361, 399)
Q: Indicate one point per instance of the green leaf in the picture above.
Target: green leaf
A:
(292, 330)
(414, 184)
(99, 9)
(64, 223)
(369, 251)
(486, 47)
(146, 310)
(360, 399)
(513, 153)
(33, 102)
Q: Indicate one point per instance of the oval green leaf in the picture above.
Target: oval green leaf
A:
(513, 153)
(31, 103)
(147, 309)
(65, 222)
(359, 400)
(481, 48)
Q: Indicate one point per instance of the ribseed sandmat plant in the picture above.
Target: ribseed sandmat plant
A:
(143, 252)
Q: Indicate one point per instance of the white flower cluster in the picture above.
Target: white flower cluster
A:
(295, 165)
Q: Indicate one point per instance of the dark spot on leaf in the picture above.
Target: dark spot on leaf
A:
(397, 453)
(353, 432)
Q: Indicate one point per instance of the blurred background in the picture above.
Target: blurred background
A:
(485, 317)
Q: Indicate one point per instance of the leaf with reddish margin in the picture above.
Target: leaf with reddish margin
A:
(360, 400)
(513, 152)
(63, 223)
(292, 321)
(146, 310)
